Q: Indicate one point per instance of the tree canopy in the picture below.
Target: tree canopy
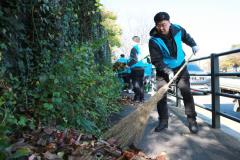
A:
(230, 60)
(113, 29)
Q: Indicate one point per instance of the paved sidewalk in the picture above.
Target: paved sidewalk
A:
(179, 144)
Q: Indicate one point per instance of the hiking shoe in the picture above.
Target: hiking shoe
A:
(161, 126)
(142, 100)
(193, 126)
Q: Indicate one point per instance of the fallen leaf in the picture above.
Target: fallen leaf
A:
(92, 143)
(41, 141)
(128, 155)
(48, 130)
(112, 141)
(60, 154)
(21, 152)
(162, 156)
(51, 147)
(32, 157)
(137, 157)
(51, 156)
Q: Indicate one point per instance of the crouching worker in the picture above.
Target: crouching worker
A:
(124, 72)
(137, 70)
(165, 46)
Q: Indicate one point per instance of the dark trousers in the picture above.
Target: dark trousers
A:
(126, 80)
(137, 75)
(184, 85)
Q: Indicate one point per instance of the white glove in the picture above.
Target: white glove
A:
(168, 71)
(195, 49)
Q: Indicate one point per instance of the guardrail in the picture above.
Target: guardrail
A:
(215, 87)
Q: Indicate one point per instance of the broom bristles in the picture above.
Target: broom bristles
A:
(130, 129)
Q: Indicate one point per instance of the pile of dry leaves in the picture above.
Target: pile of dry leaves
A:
(127, 100)
(49, 143)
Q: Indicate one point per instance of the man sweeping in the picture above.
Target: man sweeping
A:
(166, 52)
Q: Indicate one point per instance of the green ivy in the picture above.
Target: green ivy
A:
(76, 94)
(55, 60)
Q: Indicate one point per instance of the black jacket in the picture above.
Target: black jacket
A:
(133, 57)
(155, 52)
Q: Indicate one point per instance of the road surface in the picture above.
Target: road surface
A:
(230, 84)
(226, 104)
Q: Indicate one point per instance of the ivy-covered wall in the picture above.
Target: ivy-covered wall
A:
(40, 31)
(55, 62)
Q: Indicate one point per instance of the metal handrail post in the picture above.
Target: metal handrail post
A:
(215, 89)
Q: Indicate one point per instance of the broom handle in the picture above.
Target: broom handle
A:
(180, 70)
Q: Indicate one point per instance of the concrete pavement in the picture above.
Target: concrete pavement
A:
(179, 144)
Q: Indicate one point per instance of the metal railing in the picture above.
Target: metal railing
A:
(215, 87)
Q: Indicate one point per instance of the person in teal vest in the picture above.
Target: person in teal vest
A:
(166, 52)
(122, 59)
(137, 70)
(125, 72)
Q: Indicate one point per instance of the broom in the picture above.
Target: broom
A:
(129, 130)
